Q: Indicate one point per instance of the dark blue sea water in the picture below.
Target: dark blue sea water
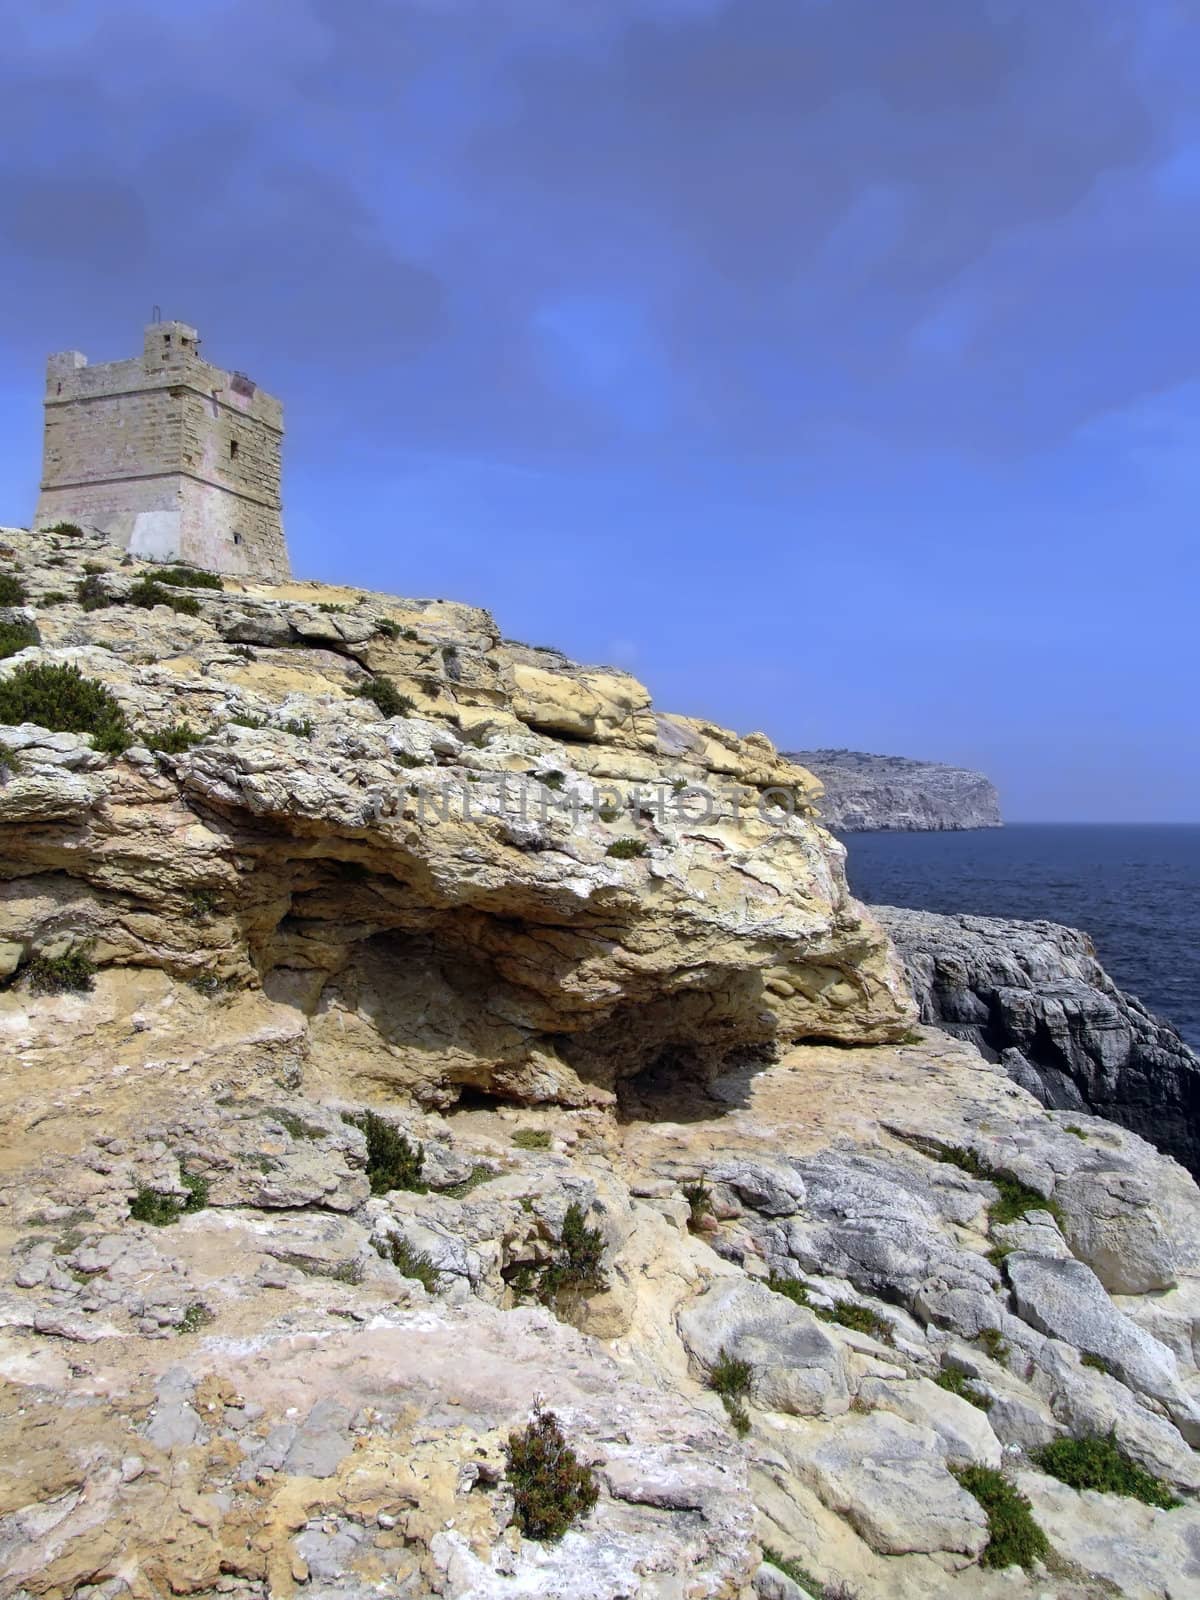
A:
(1134, 887)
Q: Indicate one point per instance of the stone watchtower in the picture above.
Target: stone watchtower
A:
(168, 456)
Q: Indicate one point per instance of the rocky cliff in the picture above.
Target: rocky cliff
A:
(1033, 996)
(867, 792)
(345, 1128)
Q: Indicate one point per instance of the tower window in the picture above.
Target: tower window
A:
(237, 538)
(233, 449)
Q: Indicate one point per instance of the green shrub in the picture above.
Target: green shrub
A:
(388, 628)
(62, 699)
(330, 609)
(243, 720)
(148, 594)
(1099, 1463)
(732, 1378)
(161, 1208)
(480, 1173)
(552, 780)
(295, 1127)
(1097, 1363)
(409, 1262)
(53, 597)
(68, 530)
(15, 637)
(382, 692)
(91, 594)
(71, 973)
(12, 591)
(993, 1342)
(956, 1382)
(187, 578)
(10, 761)
(392, 1163)
(172, 740)
(578, 1267)
(299, 727)
(794, 1571)
(196, 1316)
(699, 1198)
(531, 1139)
(1014, 1538)
(627, 849)
(1074, 1128)
(551, 1487)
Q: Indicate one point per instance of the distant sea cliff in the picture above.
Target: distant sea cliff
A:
(867, 792)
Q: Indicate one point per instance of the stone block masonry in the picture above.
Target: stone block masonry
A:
(169, 456)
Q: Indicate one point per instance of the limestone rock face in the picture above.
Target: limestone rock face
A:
(409, 882)
(895, 793)
(256, 1342)
(1033, 996)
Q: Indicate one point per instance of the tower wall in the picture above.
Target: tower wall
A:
(167, 455)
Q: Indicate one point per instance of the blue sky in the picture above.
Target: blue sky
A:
(833, 365)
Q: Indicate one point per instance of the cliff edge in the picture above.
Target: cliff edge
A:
(864, 793)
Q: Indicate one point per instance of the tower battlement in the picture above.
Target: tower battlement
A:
(167, 455)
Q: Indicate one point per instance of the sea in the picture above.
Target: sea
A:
(1134, 887)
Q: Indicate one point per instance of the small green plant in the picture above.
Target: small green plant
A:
(350, 1272)
(532, 1139)
(172, 740)
(53, 597)
(392, 1163)
(66, 530)
(388, 628)
(331, 609)
(10, 761)
(91, 594)
(731, 1379)
(1073, 1127)
(480, 1173)
(994, 1343)
(627, 849)
(1097, 1363)
(244, 720)
(187, 578)
(699, 1198)
(792, 1288)
(12, 591)
(92, 568)
(295, 1127)
(147, 594)
(1098, 1462)
(552, 780)
(196, 1316)
(956, 1382)
(15, 637)
(299, 727)
(578, 1269)
(383, 693)
(607, 811)
(202, 903)
(1014, 1538)
(62, 699)
(407, 1261)
(1015, 1198)
(210, 984)
(70, 973)
(860, 1318)
(794, 1571)
(412, 636)
(161, 1208)
(551, 1487)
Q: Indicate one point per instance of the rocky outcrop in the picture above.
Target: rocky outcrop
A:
(1033, 996)
(515, 877)
(866, 792)
(780, 1298)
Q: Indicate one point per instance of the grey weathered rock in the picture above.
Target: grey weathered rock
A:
(867, 792)
(890, 1480)
(1033, 996)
